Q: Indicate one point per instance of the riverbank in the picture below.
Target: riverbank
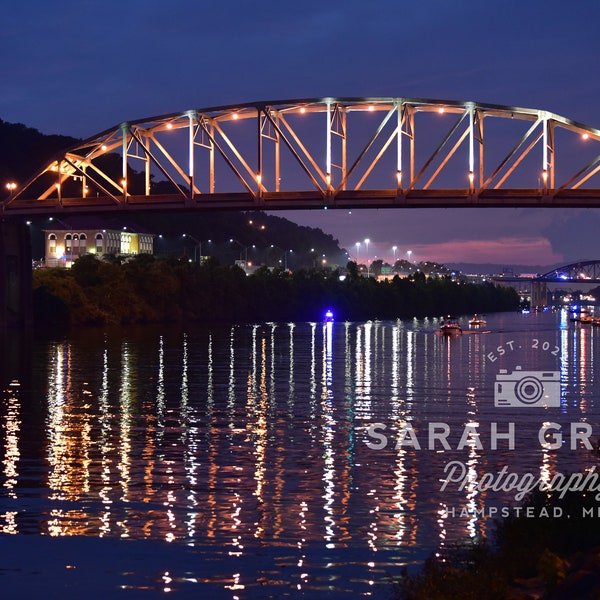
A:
(147, 290)
(544, 558)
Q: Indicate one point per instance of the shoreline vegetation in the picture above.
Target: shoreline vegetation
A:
(539, 558)
(148, 290)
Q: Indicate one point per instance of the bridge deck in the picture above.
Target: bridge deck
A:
(295, 200)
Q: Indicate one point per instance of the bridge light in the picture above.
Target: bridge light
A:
(371, 108)
(471, 177)
(235, 116)
(585, 136)
(545, 175)
(441, 110)
(328, 178)
(259, 179)
(169, 125)
(103, 147)
(399, 177)
(303, 110)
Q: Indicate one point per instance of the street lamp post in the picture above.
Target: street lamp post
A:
(11, 186)
(242, 247)
(409, 253)
(394, 248)
(367, 241)
(197, 247)
(285, 264)
(70, 228)
(357, 252)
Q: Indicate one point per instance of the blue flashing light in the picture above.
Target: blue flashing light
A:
(329, 316)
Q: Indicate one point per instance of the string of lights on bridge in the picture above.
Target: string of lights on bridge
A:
(328, 153)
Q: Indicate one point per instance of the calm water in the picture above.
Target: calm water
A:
(238, 462)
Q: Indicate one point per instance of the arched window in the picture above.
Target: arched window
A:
(99, 239)
(68, 242)
(52, 243)
(75, 241)
(83, 242)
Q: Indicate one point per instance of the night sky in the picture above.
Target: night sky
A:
(79, 67)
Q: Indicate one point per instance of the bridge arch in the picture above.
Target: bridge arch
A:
(325, 152)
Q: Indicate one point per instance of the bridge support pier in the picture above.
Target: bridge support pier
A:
(15, 276)
(539, 294)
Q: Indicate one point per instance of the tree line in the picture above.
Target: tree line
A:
(147, 290)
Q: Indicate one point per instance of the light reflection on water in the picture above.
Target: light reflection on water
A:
(246, 444)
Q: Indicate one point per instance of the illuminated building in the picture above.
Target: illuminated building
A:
(66, 242)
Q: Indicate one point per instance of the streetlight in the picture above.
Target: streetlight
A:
(11, 186)
(284, 254)
(367, 245)
(357, 252)
(242, 247)
(409, 252)
(394, 248)
(70, 228)
(198, 246)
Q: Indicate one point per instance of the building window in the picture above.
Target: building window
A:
(52, 243)
(98, 243)
(68, 243)
(83, 243)
(125, 243)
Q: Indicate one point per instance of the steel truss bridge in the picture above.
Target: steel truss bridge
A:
(324, 153)
(587, 271)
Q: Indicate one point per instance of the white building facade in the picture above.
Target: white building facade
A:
(64, 246)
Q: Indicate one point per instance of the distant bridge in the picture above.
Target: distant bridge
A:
(587, 271)
(323, 153)
(582, 272)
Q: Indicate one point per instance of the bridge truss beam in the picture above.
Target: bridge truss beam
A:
(587, 271)
(333, 152)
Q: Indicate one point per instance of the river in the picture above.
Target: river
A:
(277, 460)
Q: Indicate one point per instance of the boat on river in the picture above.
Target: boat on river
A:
(450, 326)
(477, 321)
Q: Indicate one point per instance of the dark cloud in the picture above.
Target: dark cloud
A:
(575, 235)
